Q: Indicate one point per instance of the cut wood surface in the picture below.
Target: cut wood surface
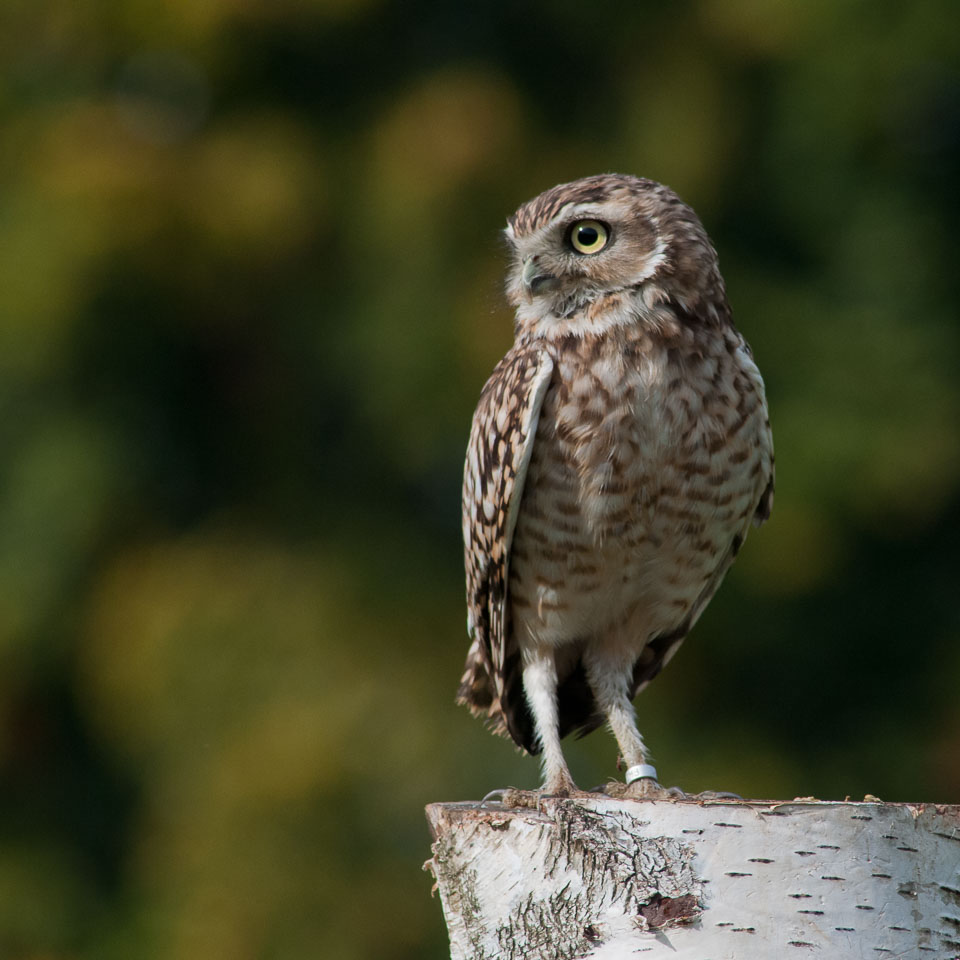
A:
(609, 879)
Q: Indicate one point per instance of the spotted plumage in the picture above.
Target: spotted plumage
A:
(618, 455)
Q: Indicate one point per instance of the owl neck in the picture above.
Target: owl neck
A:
(645, 308)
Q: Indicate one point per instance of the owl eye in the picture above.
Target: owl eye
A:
(589, 236)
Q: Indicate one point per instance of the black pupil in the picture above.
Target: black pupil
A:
(587, 236)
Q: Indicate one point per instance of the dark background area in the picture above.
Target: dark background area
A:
(250, 287)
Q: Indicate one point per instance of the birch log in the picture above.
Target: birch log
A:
(610, 879)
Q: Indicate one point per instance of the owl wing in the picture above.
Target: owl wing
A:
(498, 455)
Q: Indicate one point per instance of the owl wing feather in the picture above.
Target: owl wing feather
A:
(498, 455)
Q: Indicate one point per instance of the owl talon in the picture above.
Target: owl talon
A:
(646, 788)
(706, 795)
(533, 799)
(499, 795)
(514, 798)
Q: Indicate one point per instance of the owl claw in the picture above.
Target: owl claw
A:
(514, 797)
(706, 795)
(500, 795)
(532, 799)
(646, 788)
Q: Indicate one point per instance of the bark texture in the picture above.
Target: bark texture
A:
(610, 879)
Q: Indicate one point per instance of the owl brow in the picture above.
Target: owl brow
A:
(568, 221)
(541, 211)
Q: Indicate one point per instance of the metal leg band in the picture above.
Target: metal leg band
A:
(640, 771)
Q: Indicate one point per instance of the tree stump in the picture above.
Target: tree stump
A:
(609, 879)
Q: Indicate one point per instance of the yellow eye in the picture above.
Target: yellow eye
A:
(589, 236)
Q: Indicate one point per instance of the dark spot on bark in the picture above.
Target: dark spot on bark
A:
(663, 911)
(591, 933)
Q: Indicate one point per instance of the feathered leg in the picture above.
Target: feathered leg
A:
(609, 672)
(540, 687)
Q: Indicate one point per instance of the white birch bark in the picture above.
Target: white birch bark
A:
(610, 879)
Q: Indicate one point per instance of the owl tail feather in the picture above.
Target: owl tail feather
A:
(477, 692)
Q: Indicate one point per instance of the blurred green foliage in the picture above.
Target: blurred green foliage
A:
(249, 291)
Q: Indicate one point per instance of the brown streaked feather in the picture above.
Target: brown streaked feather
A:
(498, 454)
(658, 651)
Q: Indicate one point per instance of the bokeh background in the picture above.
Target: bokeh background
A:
(250, 287)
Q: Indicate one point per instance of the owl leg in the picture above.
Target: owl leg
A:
(540, 687)
(609, 674)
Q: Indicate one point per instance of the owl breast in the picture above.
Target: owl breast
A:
(646, 470)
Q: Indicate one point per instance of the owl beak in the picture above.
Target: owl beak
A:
(535, 280)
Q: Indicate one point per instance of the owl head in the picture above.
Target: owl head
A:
(606, 251)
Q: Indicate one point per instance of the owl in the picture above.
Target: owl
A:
(618, 456)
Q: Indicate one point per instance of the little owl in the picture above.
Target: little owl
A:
(618, 455)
